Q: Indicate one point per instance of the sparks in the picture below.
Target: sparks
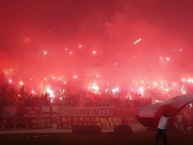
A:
(141, 90)
(21, 83)
(190, 80)
(137, 41)
(167, 59)
(50, 92)
(94, 52)
(10, 81)
(183, 91)
(115, 90)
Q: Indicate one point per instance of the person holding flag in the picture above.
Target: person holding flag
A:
(162, 129)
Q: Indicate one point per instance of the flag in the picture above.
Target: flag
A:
(150, 115)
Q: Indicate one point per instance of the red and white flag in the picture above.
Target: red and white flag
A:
(150, 115)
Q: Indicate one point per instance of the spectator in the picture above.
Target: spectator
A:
(162, 129)
(179, 121)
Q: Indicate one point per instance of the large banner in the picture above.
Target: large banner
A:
(60, 117)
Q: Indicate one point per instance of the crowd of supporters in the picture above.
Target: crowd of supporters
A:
(82, 98)
(10, 96)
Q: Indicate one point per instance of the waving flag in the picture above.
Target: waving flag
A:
(150, 115)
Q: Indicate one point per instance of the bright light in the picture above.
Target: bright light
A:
(21, 83)
(115, 90)
(45, 52)
(70, 52)
(183, 80)
(128, 96)
(74, 77)
(50, 92)
(95, 87)
(141, 90)
(161, 60)
(155, 84)
(32, 91)
(183, 91)
(80, 46)
(64, 82)
(167, 59)
(94, 52)
(190, 80)
(10, 81)
(137, 41)
(167, 89)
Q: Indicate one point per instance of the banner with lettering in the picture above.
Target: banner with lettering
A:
(105, 123)
(85, 111)
(61, 117)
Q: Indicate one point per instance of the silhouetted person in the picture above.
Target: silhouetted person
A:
(161, 132)
(179, 122)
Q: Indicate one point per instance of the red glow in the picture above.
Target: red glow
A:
(68, 45)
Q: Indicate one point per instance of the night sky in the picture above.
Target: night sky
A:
(88, 37)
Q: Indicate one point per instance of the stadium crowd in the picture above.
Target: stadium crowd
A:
(10, 96)
(83, 98)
